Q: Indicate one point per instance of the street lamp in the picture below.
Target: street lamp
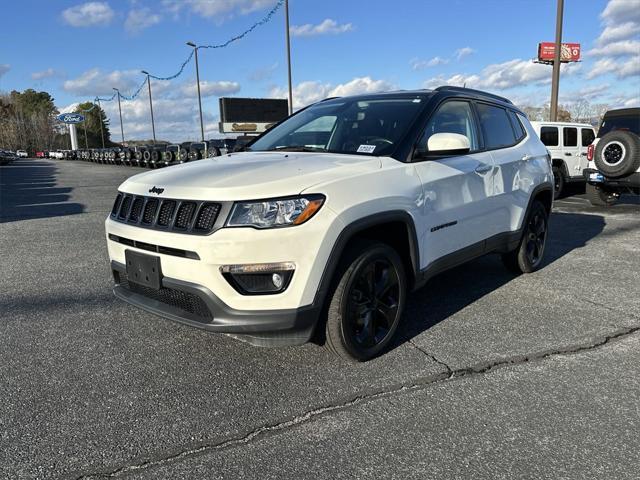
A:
(153, 126)
(120, 110)
(195, 49)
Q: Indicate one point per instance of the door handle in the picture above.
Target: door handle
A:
(583, 154)
(567, 154)
(526, 158)
(483, 168)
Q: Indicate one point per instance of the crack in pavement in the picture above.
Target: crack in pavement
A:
(418, 384)
(431, 356)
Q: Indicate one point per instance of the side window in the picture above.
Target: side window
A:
(517, 126)
(496, 126)
(549, 136)
(452, 117)
(588, 136)
(570, 136)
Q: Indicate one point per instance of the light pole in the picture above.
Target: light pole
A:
(555, 80)
(120, 110)
(153, 126)
(286, 16)
(195, 49)
(100, 120)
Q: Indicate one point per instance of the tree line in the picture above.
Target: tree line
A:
(28, 121)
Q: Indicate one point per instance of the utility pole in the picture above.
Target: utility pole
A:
(195, 48)
(286, 16)
(100, 120)
(120, 110)
(555, 81)
(153, 126)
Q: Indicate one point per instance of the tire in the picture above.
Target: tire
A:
(618, 154)
(558, 186)
(183, 155)
(194, 155)
(529, 255)
(358, 337)
(600, 197)
(213, 152)
(167, 157)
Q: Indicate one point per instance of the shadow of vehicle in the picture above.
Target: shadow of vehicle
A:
(28, 190)
(451, 291)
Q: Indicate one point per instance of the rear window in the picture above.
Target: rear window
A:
(587, 137)
(549, 136)
(630, 122)
(496, 126)
(517, 126)
(570, 136)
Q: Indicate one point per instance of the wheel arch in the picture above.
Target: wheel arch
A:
(395, 228)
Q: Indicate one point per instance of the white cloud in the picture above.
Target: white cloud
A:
(263, 73)
(218, 9)
(88, 14)
(48, 73)
(617, 32)
(209, 89)
(463, 52)
(139, 19)
(4, 68)
(617, 49)
(417, 64)
(309, 92)
(502, 76)
(610, 66)
(326, 27)
(619, 11)
(95, 82)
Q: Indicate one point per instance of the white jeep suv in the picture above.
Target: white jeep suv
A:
(326, 221)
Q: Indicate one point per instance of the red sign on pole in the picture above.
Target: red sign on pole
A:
(570, 52)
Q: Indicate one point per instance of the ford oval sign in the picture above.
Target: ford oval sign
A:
(71, 117)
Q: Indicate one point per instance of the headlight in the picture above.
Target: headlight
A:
(282, 212)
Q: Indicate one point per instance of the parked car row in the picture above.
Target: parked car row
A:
(149, 156)
(7, 156)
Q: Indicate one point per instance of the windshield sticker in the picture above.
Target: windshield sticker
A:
(366, 148)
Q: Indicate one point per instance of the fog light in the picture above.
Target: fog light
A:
(277, 280)
(259, 279)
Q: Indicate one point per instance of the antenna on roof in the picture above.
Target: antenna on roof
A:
(464, 85)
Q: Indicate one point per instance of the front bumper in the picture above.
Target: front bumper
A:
(197, 306)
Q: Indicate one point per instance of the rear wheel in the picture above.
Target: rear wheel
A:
(600, 196)
(558, 185)
(367, 302)
(528, 256)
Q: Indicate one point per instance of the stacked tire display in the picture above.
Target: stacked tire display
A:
(152, 156)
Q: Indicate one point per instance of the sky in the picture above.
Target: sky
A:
(76, 50)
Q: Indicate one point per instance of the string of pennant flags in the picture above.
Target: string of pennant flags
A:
(180, 71)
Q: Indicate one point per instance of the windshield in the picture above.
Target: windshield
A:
(355, 126)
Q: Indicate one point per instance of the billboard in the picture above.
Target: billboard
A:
(570, 52)
(251, 115)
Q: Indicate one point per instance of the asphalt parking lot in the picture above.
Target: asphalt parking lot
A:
(492, 376)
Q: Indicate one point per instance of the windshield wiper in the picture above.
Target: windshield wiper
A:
(297, 148)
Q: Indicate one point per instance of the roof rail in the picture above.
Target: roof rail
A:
(451, 88)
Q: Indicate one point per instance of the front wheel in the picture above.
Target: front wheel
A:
(528, 256)
(367, 302)
(600, 197)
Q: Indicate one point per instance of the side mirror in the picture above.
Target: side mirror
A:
(447, 144)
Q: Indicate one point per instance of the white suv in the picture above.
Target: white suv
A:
(327, 220)
(567, 144)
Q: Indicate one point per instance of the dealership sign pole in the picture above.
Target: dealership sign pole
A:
(153, 125)
(195, 49)
(71, 119)
(100, 120)
(120, 110)
(555, 81)
(286, 16)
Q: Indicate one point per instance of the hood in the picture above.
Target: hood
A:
(249, 175)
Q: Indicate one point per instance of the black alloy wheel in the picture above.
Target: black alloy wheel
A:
(530, 252)
(366, 305)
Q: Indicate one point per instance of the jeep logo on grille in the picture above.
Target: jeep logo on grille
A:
(156, 190)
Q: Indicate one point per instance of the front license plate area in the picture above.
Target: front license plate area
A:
(143, 269)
